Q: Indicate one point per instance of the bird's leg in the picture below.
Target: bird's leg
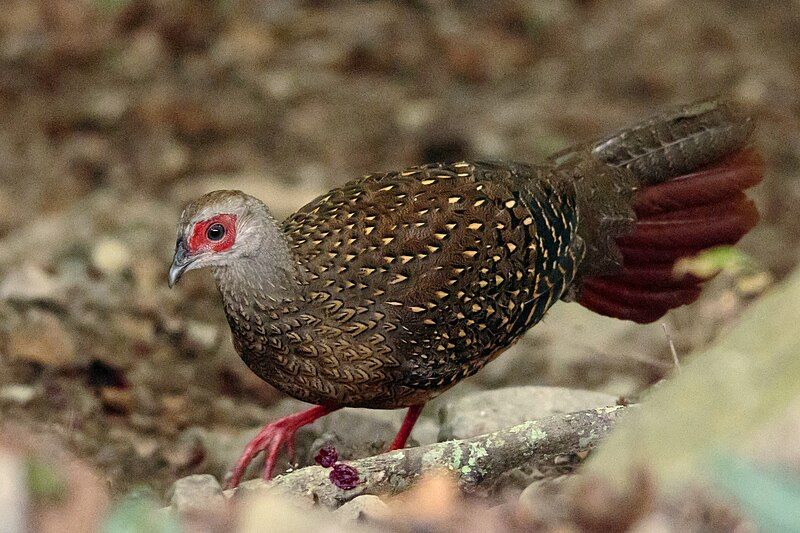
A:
(274, 436)
(405, 429)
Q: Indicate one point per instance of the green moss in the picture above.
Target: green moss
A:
(476, 451)
(137, 514)
(44, 483)
(536, 434)
(431, 457)
(455, 463)
(534, 431)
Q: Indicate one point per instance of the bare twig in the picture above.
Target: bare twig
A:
(478, 462)
(671, 347)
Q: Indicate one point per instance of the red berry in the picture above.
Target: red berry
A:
(326, 456)
(344, 476)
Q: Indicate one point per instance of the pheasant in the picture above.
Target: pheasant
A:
(389, 290)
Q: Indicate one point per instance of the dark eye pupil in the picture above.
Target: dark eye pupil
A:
(215, 232)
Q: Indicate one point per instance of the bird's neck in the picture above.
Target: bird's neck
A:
(269, 276)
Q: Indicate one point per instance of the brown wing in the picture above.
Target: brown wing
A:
(439, 267)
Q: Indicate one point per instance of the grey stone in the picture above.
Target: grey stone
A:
(488, 411)
(41, 337)
(31, 284)
(362, 507)
(18, 393)
(541, 488)
(609, 354)
(197, 492)
(358, 433)
(221, 449)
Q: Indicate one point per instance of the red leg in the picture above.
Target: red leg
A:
(405, 429)
(274, 436)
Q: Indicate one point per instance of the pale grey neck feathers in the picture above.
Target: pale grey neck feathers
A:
(268, 270)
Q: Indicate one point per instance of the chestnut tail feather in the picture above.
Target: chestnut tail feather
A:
(677, 218)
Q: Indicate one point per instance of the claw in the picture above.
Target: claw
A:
(290, 449)
(271, 439)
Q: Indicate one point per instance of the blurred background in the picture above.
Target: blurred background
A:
(114, 113)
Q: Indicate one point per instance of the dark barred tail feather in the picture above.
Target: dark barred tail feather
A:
(675, 219)
(676, 216)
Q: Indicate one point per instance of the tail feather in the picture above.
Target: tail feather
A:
(697, 227)
(600, 303)
(675, 219)
(655, 275)
(647, 256)
(649, 298)
(677, 142)
(701, 188)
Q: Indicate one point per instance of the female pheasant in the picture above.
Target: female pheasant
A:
(389, 290)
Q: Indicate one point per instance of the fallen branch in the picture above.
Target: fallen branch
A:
(477, 462)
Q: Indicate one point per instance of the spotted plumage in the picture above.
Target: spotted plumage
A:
(434, 268)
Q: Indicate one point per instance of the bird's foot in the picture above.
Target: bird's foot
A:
(271, 439)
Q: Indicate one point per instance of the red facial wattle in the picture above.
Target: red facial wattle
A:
(200, 242)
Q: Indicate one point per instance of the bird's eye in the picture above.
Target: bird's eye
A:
(215, 232)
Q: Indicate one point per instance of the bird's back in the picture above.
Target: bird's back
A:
(437, 268)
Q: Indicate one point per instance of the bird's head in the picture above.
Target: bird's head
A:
(218, 228)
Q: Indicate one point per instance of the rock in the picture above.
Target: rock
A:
(111, 256)
(416, 115)
(362, 507)
(41, 338)
(219, 450)
(250, 488)
(198, 492)
(17, 393)
(243, 44)
(135, 329)
(357, 433)
(176, 412)
(575, 341)
(200, 336)
(488, 411)
(31, 284)
(117, 400)
(538, 491)
(143, 56)
(376, 425)
(103, 106)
